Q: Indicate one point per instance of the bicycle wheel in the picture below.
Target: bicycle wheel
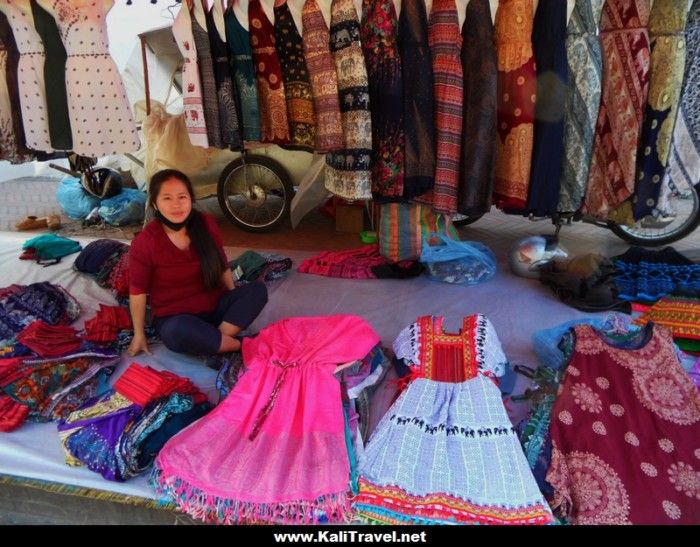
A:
(255, 194)
(651, 232)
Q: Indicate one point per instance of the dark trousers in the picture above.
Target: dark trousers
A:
(199, 334)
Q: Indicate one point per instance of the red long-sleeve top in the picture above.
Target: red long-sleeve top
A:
(170, 276)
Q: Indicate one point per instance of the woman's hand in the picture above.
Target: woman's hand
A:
(138, 344)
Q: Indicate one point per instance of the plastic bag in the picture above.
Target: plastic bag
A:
(128, 207)
(458, 262)
(74, 200)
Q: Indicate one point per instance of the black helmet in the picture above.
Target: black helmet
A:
(102, 182)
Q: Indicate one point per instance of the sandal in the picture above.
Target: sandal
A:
(52, 222)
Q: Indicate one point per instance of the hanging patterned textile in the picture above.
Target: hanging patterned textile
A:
(297, 86)
(666, 33)
(324, 83)
(445, 46)
(225, 92)
(100, 115)
(378, 36)
(276, 450)
(418, 115)
(273, 107)
(241, 58)
(191, 85)
(55, 74)
(205, 65)
(585, 60)
(480, 71)
(348, 171)
(626, 433)
(548, 41)
(516, 93)
(446, 452)
(684, 158)
(11, 132)
(30, 74)
(625, 42)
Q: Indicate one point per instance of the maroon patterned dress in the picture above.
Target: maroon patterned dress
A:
(273, 107)
(517, 93)
(626, 433)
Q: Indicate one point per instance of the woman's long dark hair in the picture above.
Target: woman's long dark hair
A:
(204, 245)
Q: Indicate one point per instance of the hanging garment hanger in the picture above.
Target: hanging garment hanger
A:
(169, 9)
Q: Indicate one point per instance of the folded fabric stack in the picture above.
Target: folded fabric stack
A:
(49, 340)
(105, 326)
(106, 261)
(119, 434)
(681, 316)
(49, 389)
(251, 266)
(143, 385)
(647, 275)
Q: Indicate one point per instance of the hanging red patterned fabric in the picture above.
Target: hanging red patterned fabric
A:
(517, 93)
(273, 105)
(321, 67)
(625, 41)
(626, 433)
(445, 42)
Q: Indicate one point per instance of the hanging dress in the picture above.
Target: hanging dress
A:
(348, 171)
(445, 47)
(684, 159)
(418, 115)
(30, 75)
(626, 433)
(55, 74)
(274, 127)
(241, 57)
(585, 59)
(378, 37)
(516, 93)
(100, 116)
(625, 42)
(210, 99)
(446, 452)
(192, 101)
(297, 85)
(480, 71)
(666, 34)
(225, 93)
(324, 83)
(12, 147)
(548, 41)
(275, 448)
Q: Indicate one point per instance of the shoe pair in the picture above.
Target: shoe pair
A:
(53, 222)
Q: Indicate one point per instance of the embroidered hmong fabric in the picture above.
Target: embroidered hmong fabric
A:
(680, 315)
(445, 452)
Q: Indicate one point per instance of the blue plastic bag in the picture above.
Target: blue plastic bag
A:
(127, 207)
(458, 262)
(74, 200)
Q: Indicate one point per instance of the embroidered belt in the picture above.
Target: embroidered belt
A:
(265, 411)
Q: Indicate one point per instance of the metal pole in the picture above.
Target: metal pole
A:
(144, 59)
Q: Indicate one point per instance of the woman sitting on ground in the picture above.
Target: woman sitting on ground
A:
(179, 261)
